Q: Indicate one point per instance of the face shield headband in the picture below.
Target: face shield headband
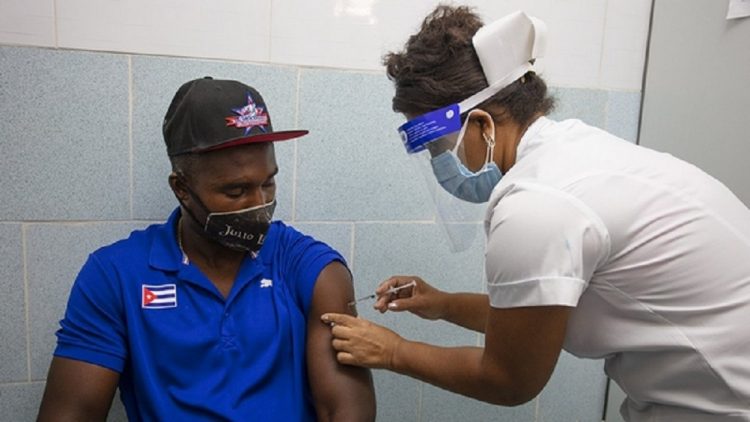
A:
(506, 49)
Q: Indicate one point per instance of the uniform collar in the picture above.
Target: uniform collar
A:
(531, 139)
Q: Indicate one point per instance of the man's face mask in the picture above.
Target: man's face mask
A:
(461, 182)
(242, 230)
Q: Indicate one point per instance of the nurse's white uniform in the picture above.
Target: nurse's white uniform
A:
(654, 255)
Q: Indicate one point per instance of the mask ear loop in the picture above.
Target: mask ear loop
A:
(490, 140)
(490, 148)
(190, 192)
(462, 132)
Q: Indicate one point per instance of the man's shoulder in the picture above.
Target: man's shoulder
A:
(287, 236)
(284, 234)
(285, 240)
(136, 245)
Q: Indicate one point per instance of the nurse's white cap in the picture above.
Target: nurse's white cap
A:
(506, 48)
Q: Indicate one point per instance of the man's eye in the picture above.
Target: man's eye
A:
(235, 192)
(269, 183)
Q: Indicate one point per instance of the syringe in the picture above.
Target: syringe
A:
(387, 292)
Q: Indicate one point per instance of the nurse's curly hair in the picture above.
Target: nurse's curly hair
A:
(439, 66)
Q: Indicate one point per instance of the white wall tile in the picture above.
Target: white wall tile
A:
(592, 43)
(355, 34)
(224, 29)
(27, 22)
(575, 30)
(625, 40)
(350, 34)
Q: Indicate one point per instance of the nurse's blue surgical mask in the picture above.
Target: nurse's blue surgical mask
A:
(461, 182)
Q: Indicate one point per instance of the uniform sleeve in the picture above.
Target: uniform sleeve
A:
(93, 329)
(543, 246)
(305, 259)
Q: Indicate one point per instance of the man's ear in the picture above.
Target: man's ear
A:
(179, 189)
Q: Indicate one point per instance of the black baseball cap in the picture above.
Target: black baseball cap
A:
(208, 114)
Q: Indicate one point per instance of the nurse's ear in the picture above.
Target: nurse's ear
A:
(479, 130)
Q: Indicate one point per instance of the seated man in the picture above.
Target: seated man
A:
(214, 315)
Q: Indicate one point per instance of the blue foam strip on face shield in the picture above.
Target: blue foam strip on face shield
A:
(418, 132)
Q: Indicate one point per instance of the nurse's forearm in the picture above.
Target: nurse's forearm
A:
(468, 310)
(462, 370)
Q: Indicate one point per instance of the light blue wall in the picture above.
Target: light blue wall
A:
(83, 163)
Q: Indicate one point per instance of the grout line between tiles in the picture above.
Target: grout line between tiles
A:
(601, 50)
(270, 32)
(420, 400)
(54, 19)
(14, 383)
(537, 405)
(295, 154)
(351, 246)
(24, 259)
(130, 134)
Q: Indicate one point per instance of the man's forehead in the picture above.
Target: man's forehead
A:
(241, 161)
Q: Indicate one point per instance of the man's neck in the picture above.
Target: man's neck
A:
(218, 263)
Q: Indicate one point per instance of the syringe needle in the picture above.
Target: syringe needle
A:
(387, 292)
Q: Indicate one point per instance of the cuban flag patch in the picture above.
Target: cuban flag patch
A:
(158, 297)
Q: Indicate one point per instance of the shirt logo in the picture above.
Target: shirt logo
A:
(266, 283)
(158, 297)
(248, 116)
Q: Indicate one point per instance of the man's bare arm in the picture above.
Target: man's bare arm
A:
(341, 392)
(77, 391)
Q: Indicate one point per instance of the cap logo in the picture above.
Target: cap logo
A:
(248, 116)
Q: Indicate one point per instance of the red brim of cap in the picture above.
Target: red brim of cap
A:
(283, 135)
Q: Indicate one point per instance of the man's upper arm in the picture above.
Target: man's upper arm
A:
(90, 351)
(77, 391)
(341, 392)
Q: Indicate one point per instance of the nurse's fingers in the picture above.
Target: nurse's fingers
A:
(340, 345)
(334, 319)
(394, 281)
(385, 297)
(346, 358)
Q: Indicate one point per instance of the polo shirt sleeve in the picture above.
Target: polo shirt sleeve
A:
(305, 259)
(93, 329)
(543, 246)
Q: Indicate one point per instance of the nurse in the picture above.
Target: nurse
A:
(594, 245)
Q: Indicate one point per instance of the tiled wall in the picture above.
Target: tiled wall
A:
(82, 160)
(592, 43)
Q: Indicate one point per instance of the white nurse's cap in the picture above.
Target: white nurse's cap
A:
(506, 49)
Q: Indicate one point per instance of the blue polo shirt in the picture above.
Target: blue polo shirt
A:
(183, 351)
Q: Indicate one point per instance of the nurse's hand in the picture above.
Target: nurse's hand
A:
(422, 299)
(360, 342)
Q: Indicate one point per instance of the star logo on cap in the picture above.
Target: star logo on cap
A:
(248, 116)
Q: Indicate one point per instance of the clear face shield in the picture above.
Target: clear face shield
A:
(434, 141)
(506, 50)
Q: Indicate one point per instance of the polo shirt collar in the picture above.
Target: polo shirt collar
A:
(165, 253)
